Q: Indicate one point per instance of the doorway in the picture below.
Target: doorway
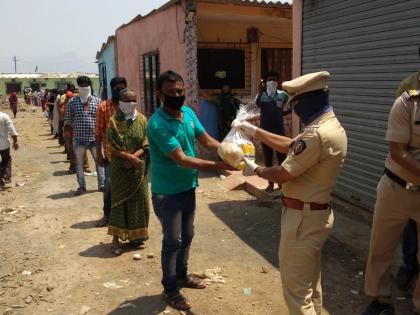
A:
(278, 59)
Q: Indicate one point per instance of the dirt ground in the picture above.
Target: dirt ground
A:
(54, 261)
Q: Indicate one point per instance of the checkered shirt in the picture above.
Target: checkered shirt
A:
(82, 122)
(105, 111)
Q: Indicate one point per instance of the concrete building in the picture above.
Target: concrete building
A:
(368, 47)
(209, 42)
(106, 64)
(10, 82)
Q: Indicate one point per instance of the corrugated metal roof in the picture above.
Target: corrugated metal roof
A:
(104, 45)
(50, 75)
(258, 3)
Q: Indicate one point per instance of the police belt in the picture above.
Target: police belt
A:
(404, 184)
(300, 205)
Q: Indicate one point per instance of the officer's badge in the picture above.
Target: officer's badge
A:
(300, 146)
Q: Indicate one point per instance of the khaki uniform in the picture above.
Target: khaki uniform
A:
(394, 204)
(314, 161)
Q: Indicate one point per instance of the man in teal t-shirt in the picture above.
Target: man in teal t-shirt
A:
(172, 131)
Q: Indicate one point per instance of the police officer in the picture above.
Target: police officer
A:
(308, 175)
(409, 239)
(398, 199)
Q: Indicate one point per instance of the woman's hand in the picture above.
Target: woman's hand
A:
(133, 160)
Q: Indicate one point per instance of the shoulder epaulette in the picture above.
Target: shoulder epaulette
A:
(410, 94)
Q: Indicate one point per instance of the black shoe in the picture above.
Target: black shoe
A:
(270, 188)
(378, 308)
(80, 191)
(404, 277)
(102, 222)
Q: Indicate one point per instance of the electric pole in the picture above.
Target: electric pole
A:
(15, 61)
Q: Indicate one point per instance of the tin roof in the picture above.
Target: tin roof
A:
(104, 45)
(257, 3)
(50, 75)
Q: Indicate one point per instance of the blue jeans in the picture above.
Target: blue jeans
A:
(80, 148)
(107, 190)
(176, 215)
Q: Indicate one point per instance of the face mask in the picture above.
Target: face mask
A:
(272, 87)
(174, 102)
(128, 107)
(84, 92)
(116, 94)
(312, 106)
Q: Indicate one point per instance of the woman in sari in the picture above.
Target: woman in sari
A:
(129, 218)
(13, 102)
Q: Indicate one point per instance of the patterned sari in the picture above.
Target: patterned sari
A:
(129, 218)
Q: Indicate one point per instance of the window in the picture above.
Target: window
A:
(103, 81)
(150, 75)
(35, 86)
(13, 87)
(217, 67)
(61, 85)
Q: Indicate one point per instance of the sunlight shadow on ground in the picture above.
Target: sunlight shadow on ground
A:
(85, 225)
(68, 194)
(257, 226)
(150, 304)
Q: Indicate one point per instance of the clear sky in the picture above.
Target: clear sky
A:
(60, 35)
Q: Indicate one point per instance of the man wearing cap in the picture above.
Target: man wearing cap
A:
(398, 199)
(410, 267)
(308, 176)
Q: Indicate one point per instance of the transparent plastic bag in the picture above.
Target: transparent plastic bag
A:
(237, 145)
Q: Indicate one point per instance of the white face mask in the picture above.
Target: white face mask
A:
(272, 87)
(127, 107)
(84, 92)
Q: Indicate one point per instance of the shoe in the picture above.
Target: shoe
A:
(270, 188)
(80, 191)
(72, 171)
(378, 308)
(102, 222)
(87, 170)
(101, 188)
(404, 277)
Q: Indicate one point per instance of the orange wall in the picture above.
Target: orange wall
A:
(155, 32)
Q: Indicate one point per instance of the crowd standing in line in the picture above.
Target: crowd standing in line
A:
(123, 145)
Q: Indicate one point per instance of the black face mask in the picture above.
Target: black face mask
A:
(174, 102)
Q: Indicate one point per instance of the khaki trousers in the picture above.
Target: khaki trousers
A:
(303, 234)
(394, 206)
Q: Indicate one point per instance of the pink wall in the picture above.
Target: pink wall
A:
(297, 53)
(155, 32)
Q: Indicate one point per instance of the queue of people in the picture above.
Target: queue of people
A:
(124, 144)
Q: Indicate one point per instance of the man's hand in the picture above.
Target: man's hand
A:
(15, 146)
(249, 168)
(101, 159)
(222, 166)
(248, 128)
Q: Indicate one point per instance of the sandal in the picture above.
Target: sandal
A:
(117, 251)
(177, 301)
(192, 283)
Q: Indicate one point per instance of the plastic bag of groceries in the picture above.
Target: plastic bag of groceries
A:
(236, 144)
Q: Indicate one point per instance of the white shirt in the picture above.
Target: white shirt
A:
(6, 129)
